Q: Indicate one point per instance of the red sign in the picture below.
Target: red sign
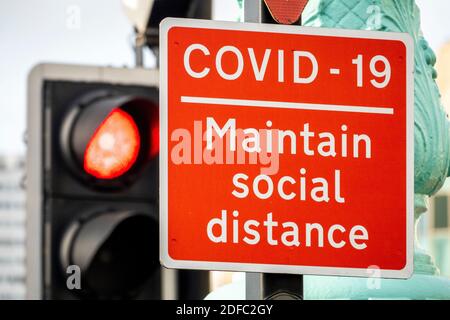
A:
(286, 149)
(286, 11)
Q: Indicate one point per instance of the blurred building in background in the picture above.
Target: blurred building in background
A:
(436, 229)
(12, 230)
(438, 232)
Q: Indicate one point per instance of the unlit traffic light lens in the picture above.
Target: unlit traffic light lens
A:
(117, 252)
(114, 147)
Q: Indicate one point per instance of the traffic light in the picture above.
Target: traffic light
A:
(92, 187)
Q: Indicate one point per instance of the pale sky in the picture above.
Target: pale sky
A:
(33, 31)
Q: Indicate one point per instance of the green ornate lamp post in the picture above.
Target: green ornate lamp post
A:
(431, 138)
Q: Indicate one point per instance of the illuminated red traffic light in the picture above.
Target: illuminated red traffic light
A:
(114, 147)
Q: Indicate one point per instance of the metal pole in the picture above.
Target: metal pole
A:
(268, 285)
(253, 11)
(139, 44)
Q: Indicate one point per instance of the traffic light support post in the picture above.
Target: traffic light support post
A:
(267, 285)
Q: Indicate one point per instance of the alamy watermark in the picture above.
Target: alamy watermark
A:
(74, 277)
(73, 17)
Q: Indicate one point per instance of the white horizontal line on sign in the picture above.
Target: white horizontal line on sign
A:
(286, 105)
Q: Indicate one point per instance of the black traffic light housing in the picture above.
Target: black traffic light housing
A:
(199, 9)
(107, 226)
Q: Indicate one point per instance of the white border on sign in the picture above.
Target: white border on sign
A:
(168, 262)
